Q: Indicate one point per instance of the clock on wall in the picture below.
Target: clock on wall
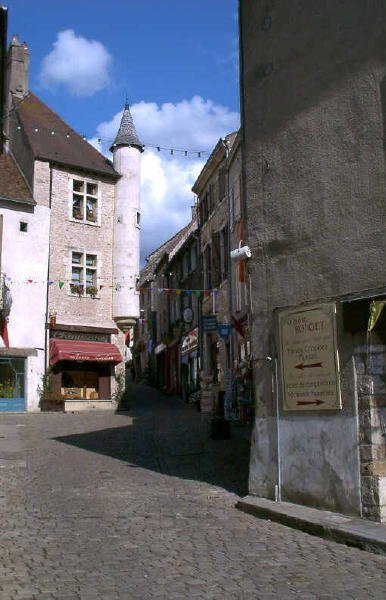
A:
(187, 315)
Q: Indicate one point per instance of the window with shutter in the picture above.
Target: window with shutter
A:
(207, 268)
(221, 184)
(216, 260)
(224, 253)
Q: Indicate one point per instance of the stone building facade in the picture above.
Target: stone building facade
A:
(225, 349)
(313, 121)
(89, 240)
(211, 190)
(185, 279)
(160, 331)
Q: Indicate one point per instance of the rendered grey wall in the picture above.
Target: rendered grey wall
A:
(313, 102)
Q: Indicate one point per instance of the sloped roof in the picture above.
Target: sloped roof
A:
(127, 135)
(214, 159)
(13, 186)
(64, 146)
(169, 247)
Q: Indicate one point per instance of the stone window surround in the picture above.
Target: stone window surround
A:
(207, 265)
(84, 252)
(85, 181)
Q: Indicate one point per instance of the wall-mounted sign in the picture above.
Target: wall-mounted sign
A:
(79, 335)
(209, 323)
(224, 330)
(159, 348)
(309, 359)
(189, 342)
(187, 315)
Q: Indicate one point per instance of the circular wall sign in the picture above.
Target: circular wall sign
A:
(187, 315)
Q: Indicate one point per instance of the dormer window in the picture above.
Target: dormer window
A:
(84, 201)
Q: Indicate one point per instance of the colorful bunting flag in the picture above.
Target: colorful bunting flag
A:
(4, 332)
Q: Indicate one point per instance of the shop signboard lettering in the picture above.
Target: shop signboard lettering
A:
(189, 342)
(79, 336)
(309, 358)
(95, 357)
(209, 323)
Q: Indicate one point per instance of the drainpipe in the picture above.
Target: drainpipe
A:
(275, 387)
(47, 332)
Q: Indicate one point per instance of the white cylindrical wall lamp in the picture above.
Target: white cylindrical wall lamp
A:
(241, 253)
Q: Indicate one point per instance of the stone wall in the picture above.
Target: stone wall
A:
(42, 183)
(67, 236)
(313, 88)
(370, 362)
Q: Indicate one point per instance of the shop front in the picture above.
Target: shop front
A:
(82, 370)
(12, 388)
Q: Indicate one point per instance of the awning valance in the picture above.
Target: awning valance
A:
(79, 350)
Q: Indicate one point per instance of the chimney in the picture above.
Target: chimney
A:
(17, 68)
(194, 209)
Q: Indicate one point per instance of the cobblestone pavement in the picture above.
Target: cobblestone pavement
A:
(140, 506)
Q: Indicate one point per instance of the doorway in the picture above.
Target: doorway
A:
(12, 384)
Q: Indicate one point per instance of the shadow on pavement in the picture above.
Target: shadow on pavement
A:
(170, 437)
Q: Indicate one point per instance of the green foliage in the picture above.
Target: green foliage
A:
(6, 389)
(91, 291)
(76, 289)
(48, 399)
(121, 396)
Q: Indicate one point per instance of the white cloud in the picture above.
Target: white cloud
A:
(80, 64)
(166, 196)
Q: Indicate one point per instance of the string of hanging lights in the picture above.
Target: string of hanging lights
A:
(61, 283)
(186, 152)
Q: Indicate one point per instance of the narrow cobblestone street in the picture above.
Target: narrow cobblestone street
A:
(140, 505)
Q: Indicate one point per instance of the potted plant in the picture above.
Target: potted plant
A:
(50, 400)
(77, 214)
(76, 288)
(91, 291)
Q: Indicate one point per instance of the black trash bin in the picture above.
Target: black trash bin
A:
(220, 429)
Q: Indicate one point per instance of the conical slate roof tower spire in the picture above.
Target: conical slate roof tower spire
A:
(127, 150)
(127, 135)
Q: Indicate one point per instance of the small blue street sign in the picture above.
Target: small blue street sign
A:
(224, 330)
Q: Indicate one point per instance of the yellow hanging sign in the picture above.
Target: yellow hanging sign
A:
(376, 308)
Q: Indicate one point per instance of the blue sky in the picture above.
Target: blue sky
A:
(177, 62)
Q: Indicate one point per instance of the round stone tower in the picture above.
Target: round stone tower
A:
(126, 151)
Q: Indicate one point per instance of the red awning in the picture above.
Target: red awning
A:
(78, 350)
